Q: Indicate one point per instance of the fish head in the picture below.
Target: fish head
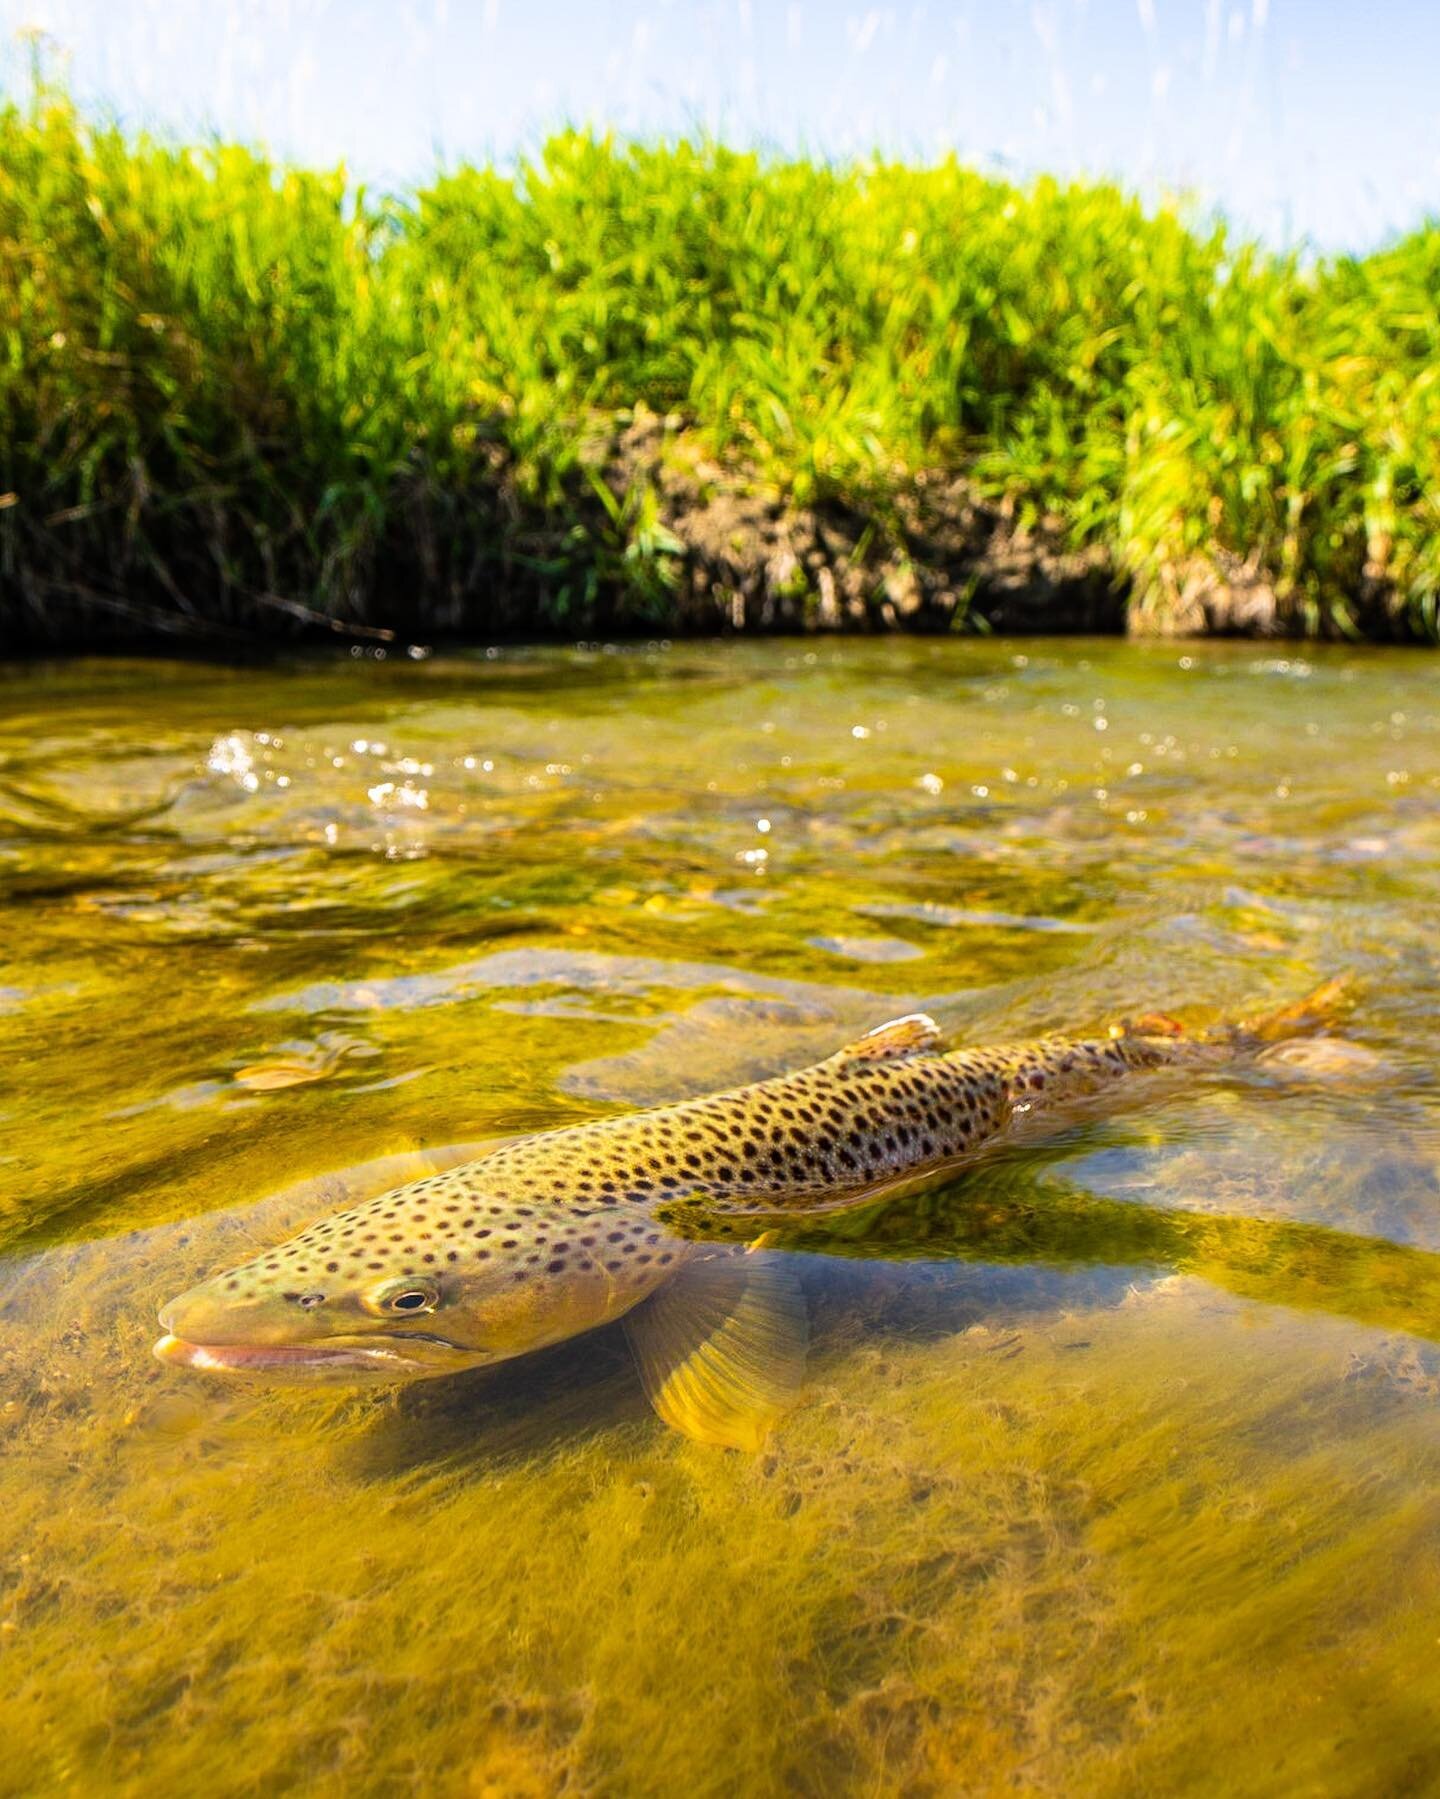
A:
(417, 1284)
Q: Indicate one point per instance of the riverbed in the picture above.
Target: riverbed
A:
(1117, 1464)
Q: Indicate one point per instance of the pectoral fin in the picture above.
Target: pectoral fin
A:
(721, 1347)
(917, 1034)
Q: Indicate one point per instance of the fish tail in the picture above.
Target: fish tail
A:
(1307, 1017)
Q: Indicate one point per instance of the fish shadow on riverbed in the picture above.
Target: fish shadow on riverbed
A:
(560, 1398)
(1014, 1245)
(517, 1411)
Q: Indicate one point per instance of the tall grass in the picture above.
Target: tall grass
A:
(233, 392)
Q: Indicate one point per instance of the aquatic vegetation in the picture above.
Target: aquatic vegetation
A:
(1117, 1460)
(1038, 1538)
(633, 386)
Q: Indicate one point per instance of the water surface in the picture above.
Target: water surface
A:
(1118, 1462)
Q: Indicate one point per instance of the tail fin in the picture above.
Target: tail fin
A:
(1306, 1017)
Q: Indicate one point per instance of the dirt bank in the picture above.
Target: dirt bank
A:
(930, 556)
(651, 533)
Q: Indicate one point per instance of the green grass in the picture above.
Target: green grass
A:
(235, 394)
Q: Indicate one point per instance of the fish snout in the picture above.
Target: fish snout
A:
(210, 1314)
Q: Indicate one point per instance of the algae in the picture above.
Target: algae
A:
(1117, 1463)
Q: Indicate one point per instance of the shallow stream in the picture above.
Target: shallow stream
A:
(1118, 1467)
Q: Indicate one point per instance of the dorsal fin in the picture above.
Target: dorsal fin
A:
(916, 1034)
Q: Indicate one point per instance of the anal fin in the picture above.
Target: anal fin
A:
(721, 1347)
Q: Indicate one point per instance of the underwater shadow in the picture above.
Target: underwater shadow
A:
(1015, 1212)
(1004, 1240)
(525, 1410)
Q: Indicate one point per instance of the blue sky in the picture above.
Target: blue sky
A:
(1308, 120)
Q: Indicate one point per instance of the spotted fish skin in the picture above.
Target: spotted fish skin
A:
(553, 1235)
(852, 1121)
(560, 1232)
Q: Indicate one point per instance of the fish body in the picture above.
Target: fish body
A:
(558, 1233)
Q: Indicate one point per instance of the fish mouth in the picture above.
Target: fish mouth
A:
(396, 1356)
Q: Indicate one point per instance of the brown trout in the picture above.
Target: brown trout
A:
(558, 1233)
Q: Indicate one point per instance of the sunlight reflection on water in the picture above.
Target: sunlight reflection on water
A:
(1090, 1430)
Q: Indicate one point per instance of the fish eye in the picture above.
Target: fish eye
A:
(414, 1299)
(405, 1298)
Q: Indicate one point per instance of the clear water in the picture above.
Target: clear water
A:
(1118, 1465)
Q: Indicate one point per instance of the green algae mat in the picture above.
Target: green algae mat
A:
(1117, 1460)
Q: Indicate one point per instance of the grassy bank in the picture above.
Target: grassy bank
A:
(680, 387)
